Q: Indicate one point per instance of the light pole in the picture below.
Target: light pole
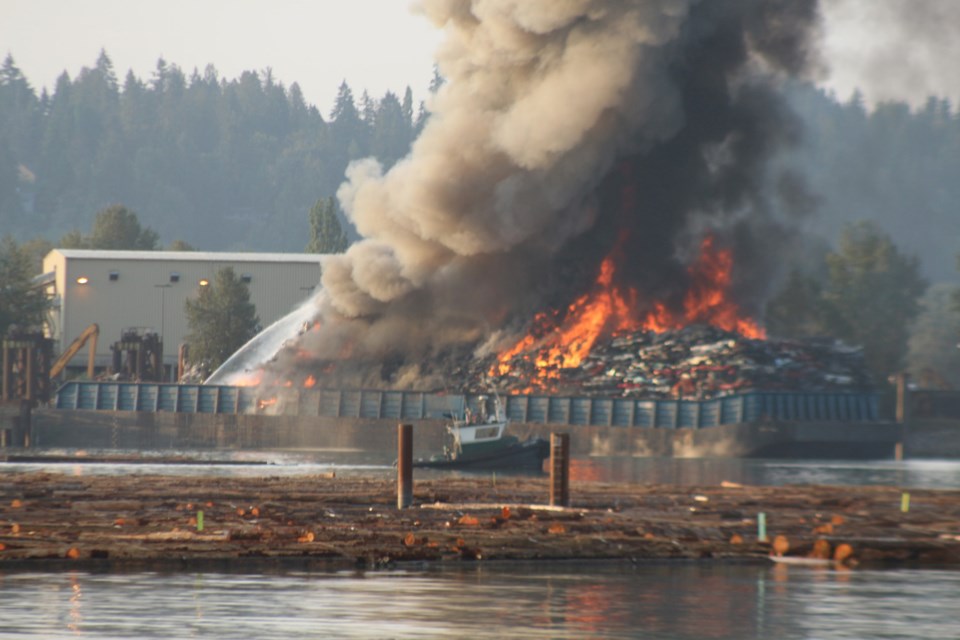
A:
(163, 366)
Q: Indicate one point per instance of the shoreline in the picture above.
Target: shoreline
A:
(52, 521)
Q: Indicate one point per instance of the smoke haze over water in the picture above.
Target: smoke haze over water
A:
(566, 131)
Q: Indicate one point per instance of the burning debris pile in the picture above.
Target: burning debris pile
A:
(696, 362)
(604, 165)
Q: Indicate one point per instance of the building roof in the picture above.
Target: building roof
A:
(188, 256)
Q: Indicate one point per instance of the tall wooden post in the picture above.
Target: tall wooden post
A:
(560, 469)
(404, 466)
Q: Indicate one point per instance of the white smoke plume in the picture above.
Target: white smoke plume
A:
(501, 198)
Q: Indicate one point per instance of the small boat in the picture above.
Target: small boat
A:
(479, 442)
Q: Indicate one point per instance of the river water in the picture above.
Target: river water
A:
(927, 474)
(499, 600)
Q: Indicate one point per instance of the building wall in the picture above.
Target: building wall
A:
(144, 293)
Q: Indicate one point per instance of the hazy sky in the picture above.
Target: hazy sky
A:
(890, 48)
(374, 44)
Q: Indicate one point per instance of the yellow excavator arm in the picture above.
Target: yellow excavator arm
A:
(89, 335)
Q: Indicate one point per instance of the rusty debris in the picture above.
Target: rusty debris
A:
(697, 362)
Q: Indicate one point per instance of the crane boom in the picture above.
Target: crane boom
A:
(88, 335)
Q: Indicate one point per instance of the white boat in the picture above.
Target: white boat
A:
(479, 441)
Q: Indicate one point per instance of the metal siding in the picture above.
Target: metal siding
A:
(246, 400)
(580, 409)
(731, 408)
(559, 410)
(688, 414)
(135, 300)
(538, 409)
(207, 399)
(413, 405)
(710, 413)
(370, 403)
(666, 414)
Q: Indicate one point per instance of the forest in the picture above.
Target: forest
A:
(226, 163)
(242, 164)
(223, 164)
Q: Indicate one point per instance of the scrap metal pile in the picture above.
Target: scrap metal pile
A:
(696, 362)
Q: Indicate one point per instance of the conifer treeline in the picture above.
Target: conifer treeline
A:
(238, 164)
(895, 165)
(223, 164)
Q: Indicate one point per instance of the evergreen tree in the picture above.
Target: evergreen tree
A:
(19, 114)
(348, 130)
(421, 121)
(221, 320)
(437, 80)
(408, 107)
(873, 294)
(391, 134)
(344, 107)
(115, 228)
(326, 234)
(180, 245)
(933, 357)
(798, 310)
(368, 109)
(21, 304)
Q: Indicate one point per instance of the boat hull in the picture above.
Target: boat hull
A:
(527, 456)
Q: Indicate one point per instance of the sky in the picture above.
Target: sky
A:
(377, 45)
(891, 49)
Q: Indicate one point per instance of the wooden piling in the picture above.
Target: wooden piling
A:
(404, 466)
(560, 469)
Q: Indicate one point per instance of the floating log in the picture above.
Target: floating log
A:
(49, 516)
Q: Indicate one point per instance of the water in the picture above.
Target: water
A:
(564, 600)
(676, 600)
(908, 474)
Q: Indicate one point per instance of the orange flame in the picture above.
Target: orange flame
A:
(269, 402)
(607, 310)
(707, 300)
(309, 382)
(250, 379)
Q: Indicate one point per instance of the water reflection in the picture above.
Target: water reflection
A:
(564, 600)
(929, 474)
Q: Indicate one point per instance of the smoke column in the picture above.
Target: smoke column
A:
(566, 129)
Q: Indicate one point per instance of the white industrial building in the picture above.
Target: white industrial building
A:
(146, 290)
